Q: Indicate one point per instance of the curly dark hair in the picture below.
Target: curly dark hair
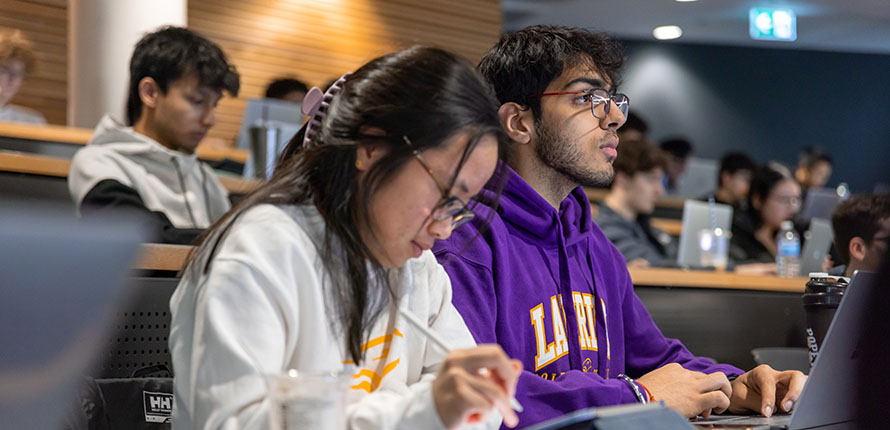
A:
(523, 63)
(858, 216)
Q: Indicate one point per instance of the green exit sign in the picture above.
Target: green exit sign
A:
(772, 24)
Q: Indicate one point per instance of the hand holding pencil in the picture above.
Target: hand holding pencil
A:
(473, 381)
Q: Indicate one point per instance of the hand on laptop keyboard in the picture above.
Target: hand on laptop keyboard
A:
(760, 389)
(688, 392)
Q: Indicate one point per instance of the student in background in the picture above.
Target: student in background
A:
(287, 89)
(813, 168)
(624, 214)
(149, 167)
(310, 271)
(16, 63)
(532, 271)
(680, 150)
(635, 128)
(861, 232)
(774, 197)
(734, 180)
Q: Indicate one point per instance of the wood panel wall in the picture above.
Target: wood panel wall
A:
(318, 40)
(45, 24)
(311, 40)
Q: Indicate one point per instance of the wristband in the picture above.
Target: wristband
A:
(648, 393)
(633, 386)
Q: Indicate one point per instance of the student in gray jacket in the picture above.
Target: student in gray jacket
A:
(148, 167)
(624, 213)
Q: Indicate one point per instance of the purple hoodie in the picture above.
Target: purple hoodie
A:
(532, 264)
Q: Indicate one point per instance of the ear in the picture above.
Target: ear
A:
(366, 154)
(756, 202)
(149, 92)
(857, 248)
(517, 121)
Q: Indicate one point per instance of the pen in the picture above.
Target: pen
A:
(438, 340)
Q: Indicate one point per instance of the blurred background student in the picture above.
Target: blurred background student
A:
(16, 62)
(287, 89)
(774, 197)
(813, 168)
(733, 180)
(680, 151)
(861, 232)
(624, 214)
(148, 167)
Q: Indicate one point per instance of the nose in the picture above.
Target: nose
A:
(440, 229)
(209, 118)
(615, 119)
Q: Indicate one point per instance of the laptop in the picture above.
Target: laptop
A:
(699, 178)
(820, 203)
(698, 216)
(816, 246)
(60, 279)
(829, 397)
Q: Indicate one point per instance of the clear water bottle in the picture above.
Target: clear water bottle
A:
(788, 250)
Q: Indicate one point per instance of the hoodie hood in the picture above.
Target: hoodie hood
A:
(168, 181)
(526, 211)
(114, 135)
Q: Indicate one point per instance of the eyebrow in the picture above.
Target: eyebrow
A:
(595, 83)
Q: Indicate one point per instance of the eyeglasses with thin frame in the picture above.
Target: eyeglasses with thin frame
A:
(598, 97)
(449, 206)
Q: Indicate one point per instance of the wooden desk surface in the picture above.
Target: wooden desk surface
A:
(209, 149)
(19, 162)
(173, 257)
(711, 279)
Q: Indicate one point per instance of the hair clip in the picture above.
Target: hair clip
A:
(315, 106)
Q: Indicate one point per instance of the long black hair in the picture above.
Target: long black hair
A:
(423, 93)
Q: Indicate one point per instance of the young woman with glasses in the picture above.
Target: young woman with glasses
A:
(313, 270)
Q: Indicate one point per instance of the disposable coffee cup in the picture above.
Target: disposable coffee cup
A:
(822, 296)
(303, 400)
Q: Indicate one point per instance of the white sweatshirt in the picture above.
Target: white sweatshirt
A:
(177, 184)
(261, 310)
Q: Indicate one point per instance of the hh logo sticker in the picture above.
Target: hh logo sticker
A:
(158, 407)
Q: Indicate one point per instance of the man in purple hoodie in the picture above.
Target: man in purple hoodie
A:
(533, 273)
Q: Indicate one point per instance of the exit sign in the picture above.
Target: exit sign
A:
(772, 24)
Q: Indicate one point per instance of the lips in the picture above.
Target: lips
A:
(610, 148)
(418, 248)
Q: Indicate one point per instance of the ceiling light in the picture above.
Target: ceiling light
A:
(685, 1)
(667, 32)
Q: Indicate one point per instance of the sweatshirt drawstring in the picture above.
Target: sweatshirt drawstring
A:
(210, 216)
(188, 207)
